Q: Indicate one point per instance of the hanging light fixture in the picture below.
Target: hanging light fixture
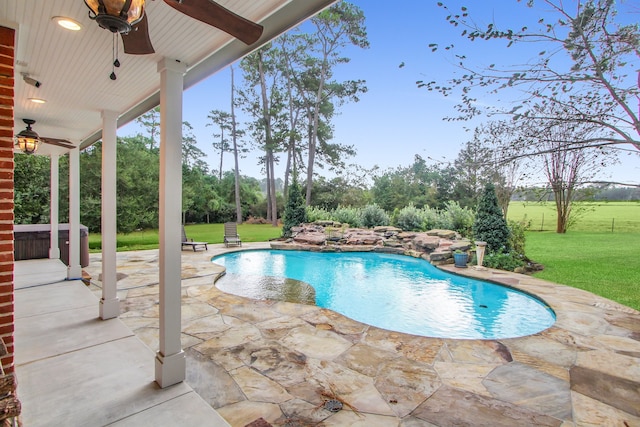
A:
(28, 140)
(116, 16)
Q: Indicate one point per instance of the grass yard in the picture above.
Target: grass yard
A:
(622, 217)
(599, 253)
(605, 264)
(210, 233)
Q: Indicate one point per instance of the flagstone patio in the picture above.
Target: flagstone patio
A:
(282, 361)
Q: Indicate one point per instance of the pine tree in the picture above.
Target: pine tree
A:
(295, 212)
(490, 225)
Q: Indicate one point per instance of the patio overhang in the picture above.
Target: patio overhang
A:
(83, 105)
(73, 67)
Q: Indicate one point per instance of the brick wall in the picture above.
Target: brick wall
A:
(7, 41)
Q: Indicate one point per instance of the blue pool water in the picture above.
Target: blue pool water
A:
(400, 293)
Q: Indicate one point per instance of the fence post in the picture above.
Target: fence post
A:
(613, 220)
(542, 224)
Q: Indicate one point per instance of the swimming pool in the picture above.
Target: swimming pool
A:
(398, 293)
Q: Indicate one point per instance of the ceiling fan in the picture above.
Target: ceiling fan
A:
(28, 140)
(128, 18)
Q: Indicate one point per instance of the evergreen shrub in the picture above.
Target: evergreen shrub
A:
(490, 225)
(295, 212)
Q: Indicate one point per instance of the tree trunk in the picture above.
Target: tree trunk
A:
(221, 155)
(235, 153)
(314, 130)
(271, 185)
(563, 205)
(287, 171)
(268, 171)
(291, 147)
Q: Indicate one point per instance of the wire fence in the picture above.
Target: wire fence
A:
(617, 217)
(611, 225)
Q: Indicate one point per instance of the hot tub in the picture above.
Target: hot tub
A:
(32, 241)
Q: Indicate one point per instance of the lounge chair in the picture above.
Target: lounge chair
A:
(231, 236)
(191, 243)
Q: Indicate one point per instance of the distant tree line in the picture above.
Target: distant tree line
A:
(206, 197)
(419, 187)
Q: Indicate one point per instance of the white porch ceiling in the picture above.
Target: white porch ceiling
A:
(74, 67)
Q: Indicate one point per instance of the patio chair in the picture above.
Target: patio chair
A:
(231, 236)
(191, 243)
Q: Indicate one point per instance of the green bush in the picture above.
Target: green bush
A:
(410, 218)
(347, 215)
(431, 218)
(500, 260)
(318, 214)
(373, 216)
(517, 236)
(460, 219)
(490, 225)
(295, 212)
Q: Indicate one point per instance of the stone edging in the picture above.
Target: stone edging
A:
(436, 246)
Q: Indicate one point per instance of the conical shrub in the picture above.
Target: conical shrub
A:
(489, 225)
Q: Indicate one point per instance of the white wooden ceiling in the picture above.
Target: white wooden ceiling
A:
(74, 67)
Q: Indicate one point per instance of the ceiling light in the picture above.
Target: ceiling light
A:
(37, 100)
(116, 16)
(28, 140)
(67, 23)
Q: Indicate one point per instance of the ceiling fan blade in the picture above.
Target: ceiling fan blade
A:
(137, 41)
(215, 15)
(59, 142)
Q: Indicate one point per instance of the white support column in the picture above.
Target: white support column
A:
(54, 245)
(170, 359)
(74, 270)
(109, 303)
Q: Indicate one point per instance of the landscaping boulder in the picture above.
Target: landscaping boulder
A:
(309, 237)
(426, 243)
(406, 235)
(435, 246)
(440, 257)
(445, 234)
(357, 236)
(393, 243)
(460, 245)
(387, 231)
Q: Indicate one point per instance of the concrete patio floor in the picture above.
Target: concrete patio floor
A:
(281, 361)
(74, 369)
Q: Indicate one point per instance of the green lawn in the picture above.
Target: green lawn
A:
(603, 263)
(599, 254)
(210, 233)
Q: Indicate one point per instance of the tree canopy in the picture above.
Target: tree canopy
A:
(586, 65)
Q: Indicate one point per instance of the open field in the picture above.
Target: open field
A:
(621, 217)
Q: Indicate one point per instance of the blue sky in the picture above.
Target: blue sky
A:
(394, 120)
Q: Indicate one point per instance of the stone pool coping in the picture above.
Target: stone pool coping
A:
(280, 361)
